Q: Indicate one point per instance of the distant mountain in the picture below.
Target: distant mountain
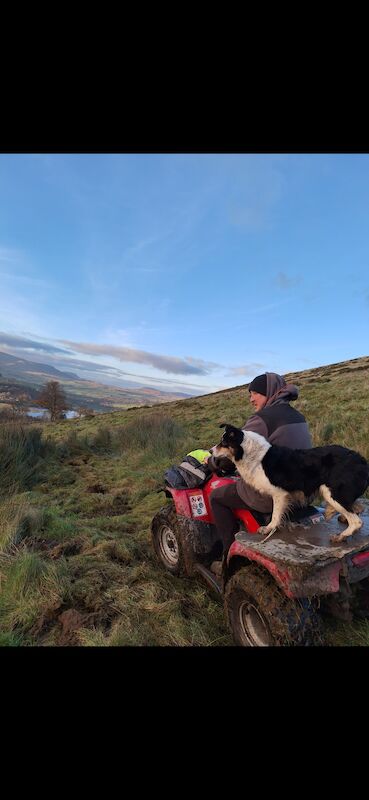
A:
(18, 375)
(19, 368)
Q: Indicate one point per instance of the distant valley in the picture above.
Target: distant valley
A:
(21, 379)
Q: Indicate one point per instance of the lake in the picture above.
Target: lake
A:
(38, 413)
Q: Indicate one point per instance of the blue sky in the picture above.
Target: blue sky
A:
(186, 272)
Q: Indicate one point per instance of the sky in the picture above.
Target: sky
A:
(184, 272)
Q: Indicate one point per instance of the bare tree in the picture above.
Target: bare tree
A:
(53, 398)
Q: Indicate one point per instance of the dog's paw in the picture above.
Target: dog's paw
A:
(268, 530)
(338, 537)
(265, 529)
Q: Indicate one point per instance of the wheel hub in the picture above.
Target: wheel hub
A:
(169, 545)
(254, 626)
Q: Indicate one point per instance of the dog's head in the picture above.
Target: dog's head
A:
(230, 444)
(235, 444)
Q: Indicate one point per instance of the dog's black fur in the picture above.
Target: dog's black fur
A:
(344, 471)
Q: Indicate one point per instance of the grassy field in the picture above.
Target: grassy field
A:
(76, 503)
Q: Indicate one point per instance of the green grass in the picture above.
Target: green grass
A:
(31, 589)
(77, 499)
(21, 451)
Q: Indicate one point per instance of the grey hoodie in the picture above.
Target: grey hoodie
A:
(280, 424)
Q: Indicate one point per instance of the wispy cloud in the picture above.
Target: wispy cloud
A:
(90, 370)
(246, 369)
(9, 255)
(253, 218)
(261, 184)
(255, 310)
(44, 352)
(169, 364)
(26, 280)
(208, 366)
(16, 312)
(285, 282)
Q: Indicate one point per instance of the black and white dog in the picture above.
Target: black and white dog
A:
(293, 476)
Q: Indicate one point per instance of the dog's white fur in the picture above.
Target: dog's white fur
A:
(254, 447)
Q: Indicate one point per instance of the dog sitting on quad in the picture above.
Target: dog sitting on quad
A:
(294, 476)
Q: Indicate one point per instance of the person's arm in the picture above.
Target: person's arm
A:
(256, 424)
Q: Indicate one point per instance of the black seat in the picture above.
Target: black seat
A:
(293, 515)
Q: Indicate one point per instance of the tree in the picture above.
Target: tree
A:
(53, 398)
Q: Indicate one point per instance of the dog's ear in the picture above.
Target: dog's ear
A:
(230, 430)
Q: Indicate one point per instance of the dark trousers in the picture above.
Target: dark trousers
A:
(222, 501)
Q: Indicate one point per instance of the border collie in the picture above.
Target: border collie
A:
(294, 476)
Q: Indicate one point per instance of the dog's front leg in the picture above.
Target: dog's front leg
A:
(280, 505)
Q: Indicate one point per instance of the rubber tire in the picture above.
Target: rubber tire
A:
(287, 622)
(361, 601)
(167, 517)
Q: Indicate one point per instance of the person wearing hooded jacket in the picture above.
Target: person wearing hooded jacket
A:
(280, 424)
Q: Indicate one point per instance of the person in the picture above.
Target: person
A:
(280, 424)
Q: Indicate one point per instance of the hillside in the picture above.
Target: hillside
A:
(77, 564)
(19, 376)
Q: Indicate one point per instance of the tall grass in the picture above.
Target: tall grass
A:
(160, 434)
(14, 510)
(21, 450)
(30, 587)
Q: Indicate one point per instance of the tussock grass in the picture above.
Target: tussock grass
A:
(345, 635)
(159, 435)
(13, 513)
(20, 452)
(29, 589)
(19, 520)
(150, 613)
(11, 639)
(46, 523)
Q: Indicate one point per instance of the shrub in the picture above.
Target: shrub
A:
(74, 445)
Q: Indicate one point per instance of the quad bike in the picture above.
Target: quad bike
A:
(275, 590)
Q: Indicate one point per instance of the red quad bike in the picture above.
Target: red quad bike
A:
(275, 590)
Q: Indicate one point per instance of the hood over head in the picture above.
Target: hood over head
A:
(278, 390)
